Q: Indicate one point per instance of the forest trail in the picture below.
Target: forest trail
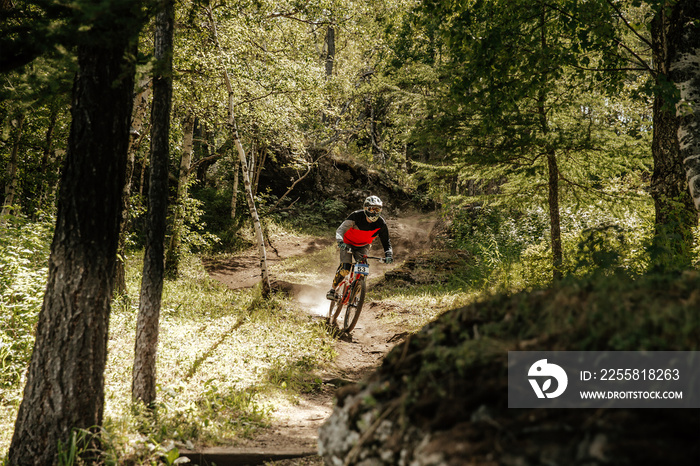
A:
(294, 430)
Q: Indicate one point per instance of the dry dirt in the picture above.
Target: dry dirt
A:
(294, 430)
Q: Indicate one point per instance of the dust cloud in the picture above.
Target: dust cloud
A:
(314, 300)
(411, 234)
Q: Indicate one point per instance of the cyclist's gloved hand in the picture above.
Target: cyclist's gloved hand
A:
(388, 257)
(342, 246)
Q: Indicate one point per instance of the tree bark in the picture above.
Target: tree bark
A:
(552, 172)
(244, 169)
(554, 219)
(172, 261)
(137, 124)
(262, 158)
(65, 381)
(234, 196)
(11, 187)
(330, 50)
(143, 386)
(675, 216)
(47, 186)
(685, 73)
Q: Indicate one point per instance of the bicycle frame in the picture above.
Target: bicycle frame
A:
(352, 284)
(351, 278)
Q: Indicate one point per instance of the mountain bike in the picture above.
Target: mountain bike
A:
(350, 293)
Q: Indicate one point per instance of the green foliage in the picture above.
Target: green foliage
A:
(194, 235)
(494, 88)
(79, 444)
(38, 131)
(511, 249)
(314, 216)
(24, 251)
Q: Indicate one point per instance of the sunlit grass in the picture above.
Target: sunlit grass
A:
(8, 413)
(413, 307)
(225, 360)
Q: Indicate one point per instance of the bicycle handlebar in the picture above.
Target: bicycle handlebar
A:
(349, 249)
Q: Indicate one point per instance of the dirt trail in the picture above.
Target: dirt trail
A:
(294, 431)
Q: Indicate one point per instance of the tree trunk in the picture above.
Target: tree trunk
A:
(142, 177)
(234, 196)
(65, 380)
(329, 50)
(685, 73)
(143, 386)
(46, 186)
(554, 220)
(251, 159)
(675, 216)
(552, 172)
(11, 187)
(137, 124)
(172, 261)
(244, 169)
(261, 163)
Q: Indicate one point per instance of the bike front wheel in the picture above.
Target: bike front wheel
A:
(336, 304)
(354, 307)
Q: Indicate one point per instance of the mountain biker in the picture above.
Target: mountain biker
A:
(357, 232)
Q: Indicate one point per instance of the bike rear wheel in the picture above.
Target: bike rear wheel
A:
(354, 307)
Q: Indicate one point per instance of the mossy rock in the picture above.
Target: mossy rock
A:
(440, 397)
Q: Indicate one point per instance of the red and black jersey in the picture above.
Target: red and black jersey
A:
(357, 231)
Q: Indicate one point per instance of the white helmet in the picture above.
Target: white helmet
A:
(373, 207)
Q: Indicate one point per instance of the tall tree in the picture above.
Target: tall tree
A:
(65, 381)
(685, 73)
(172, 259)
(143, 92)
(233, 128)
(11, 186)
(675, 216)
(143, 386)
(511, 98)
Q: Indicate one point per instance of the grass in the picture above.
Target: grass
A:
(222, 356)
(226, 361)
(414, 307)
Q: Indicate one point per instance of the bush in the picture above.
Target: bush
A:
(24, 254)
(496, 237)
(514, 246)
